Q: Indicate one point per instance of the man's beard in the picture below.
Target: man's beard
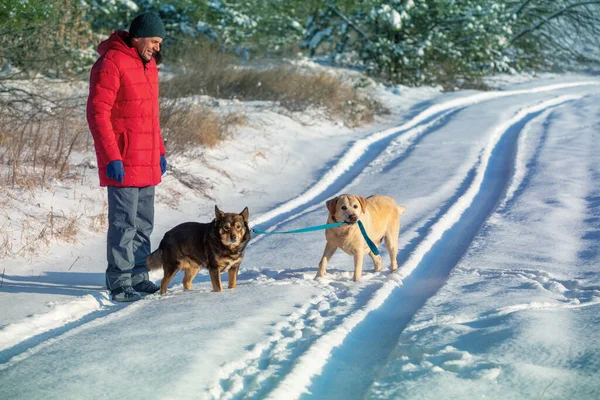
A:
(144, 58)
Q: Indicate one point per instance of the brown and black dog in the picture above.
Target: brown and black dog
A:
(218, 246)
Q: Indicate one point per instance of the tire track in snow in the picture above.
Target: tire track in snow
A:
(48, 338)
(227, 389)
(411, 144)
(62, 315)
(248, 375)
(18, 337)
(363, 151)
(362, 157)
(523, 172)
(344, 172)
(437, 254)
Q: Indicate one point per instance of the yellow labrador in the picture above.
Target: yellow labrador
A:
(380, 216)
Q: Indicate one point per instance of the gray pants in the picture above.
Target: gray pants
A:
(130, 223)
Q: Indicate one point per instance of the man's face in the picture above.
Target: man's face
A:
(146, 47)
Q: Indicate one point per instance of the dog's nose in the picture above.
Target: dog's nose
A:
(233, 237)
(353, 217)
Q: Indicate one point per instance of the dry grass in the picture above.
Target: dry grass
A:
(32, 237)
(211, 72)
(194, 182)
(185, 126)
(28, 225)
(170, 198)
(64, 227)
(99, 222)
(5, 246)
(59, 227)
(38, 148)
(292, 88)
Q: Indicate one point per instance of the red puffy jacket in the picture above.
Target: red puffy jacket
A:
(122, 112)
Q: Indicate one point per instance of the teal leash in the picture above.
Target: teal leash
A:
(309, 229)
(372, 246)
(321, 227)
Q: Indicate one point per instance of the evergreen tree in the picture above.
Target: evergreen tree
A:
(417, 40)
(43, 36)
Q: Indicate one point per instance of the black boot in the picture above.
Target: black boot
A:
(125, 294)
(146, 287)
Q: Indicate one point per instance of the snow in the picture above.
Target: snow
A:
(497, 294)
(62, 314)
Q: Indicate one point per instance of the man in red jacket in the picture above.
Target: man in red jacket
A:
(123, 116)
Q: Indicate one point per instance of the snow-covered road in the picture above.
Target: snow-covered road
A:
(497, 293)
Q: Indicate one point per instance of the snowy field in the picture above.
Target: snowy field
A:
(497, 295)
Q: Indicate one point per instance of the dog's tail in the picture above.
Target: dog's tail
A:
(401, 210)
(155, 260)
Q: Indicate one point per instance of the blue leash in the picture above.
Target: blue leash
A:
(320, 227)
(309, 229)
(367, 239)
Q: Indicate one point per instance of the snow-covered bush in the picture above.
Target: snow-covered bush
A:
(410, 41)
(417, 41)
(43, 36)
(555, 33)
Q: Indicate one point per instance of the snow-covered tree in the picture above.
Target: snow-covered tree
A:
(43, 36)
(109, 15)
(555, 32)
(410, 41)
(416, 41)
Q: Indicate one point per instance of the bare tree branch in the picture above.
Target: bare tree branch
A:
(522, 7)
(348, 21)
(551, 17)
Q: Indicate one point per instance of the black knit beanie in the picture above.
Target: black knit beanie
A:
(147, 24)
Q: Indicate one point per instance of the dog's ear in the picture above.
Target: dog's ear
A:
(218, 213)
(244, 214)
(331, 205)
(363, 203)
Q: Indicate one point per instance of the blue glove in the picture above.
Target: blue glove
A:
(114, 170)
(163, 164)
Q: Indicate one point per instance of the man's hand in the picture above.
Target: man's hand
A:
(115, 171)
(163, 164)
